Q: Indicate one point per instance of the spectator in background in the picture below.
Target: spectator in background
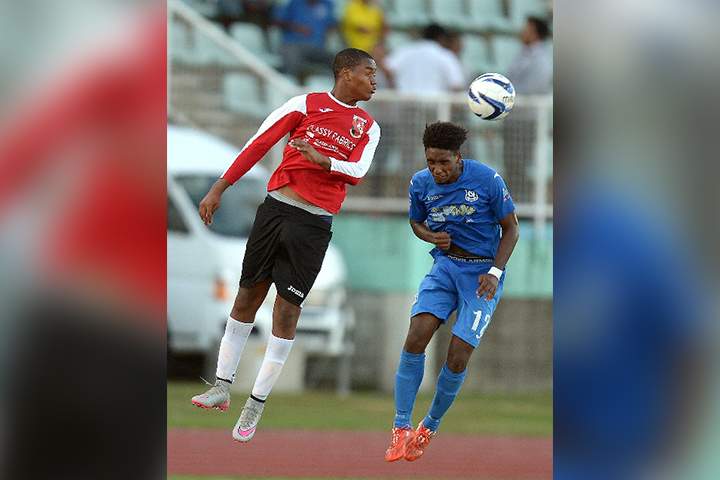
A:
(229, 12)
(258, 12)
(531, 71)
(425, 66)
(363, 25)
(305, 25)
(453, 42)
(458, 111)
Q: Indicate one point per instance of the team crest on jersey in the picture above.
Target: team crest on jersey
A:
(358, 126)
(471, 196)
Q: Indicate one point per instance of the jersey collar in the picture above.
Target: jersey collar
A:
(341, 103)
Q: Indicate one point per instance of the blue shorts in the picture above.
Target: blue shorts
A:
(452, 285)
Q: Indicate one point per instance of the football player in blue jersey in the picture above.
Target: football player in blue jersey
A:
(463, 208)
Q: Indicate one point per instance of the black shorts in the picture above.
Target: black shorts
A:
(287, 245)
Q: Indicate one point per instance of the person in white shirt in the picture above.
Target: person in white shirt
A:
(422, 67)
(425, 66)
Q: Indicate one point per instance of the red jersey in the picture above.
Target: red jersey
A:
(344, 133)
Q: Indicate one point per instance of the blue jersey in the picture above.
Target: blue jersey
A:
(469, 209)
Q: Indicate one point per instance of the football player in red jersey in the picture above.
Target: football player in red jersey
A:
(332, 143)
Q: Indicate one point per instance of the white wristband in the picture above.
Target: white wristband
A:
(495, 272)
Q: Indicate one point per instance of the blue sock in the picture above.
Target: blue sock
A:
(448, 386)
(407, 382)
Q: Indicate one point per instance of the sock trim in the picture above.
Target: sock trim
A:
(257, 399)
(224, 380)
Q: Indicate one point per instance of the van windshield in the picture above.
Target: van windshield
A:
(235, 216)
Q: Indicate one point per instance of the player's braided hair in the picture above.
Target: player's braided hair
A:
(350, 57)
(444, 135)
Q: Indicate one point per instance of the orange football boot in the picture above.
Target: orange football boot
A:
(419, 443)
(401, 437)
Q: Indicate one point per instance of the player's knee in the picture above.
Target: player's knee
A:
(285, 317)
(415, 342)
(245, 306)
(457, 363)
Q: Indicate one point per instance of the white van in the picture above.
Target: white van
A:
(204, 263)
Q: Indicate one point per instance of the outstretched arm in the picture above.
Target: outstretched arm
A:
(211, 201)
(278, 124)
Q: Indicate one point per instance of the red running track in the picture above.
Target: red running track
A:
(294, 453)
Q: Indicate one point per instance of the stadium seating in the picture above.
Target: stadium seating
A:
(451, 13)
(275, 38)
(180, 42)
(203, 7)
(487, 14)
(407, 13)
(521, 9)
(396, 38)
(319, 83)
(334, 42)
(251, 37)
(207, 52)
(474, 55)
(505, 49)
(243, 94)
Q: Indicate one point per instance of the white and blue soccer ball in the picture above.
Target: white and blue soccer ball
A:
(491, 96)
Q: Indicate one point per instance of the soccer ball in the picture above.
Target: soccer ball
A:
(491, 96)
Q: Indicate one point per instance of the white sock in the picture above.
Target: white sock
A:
(231, 347)
(276, 353)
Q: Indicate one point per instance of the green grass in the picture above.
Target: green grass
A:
(472, 413)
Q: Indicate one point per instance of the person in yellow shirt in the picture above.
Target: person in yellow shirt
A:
(363, 25)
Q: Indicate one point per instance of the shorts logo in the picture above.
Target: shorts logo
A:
(358, 126)
(296, 291)
(471, 196)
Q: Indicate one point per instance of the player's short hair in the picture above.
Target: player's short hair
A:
(350, 58)
(541, 26)
(444, 135)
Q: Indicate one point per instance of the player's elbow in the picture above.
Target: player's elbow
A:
(353, 180)
(512, 231)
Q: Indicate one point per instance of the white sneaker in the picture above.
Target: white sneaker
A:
(249, 418)
(217, 397)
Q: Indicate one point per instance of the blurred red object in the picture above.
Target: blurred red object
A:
(99, 133)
